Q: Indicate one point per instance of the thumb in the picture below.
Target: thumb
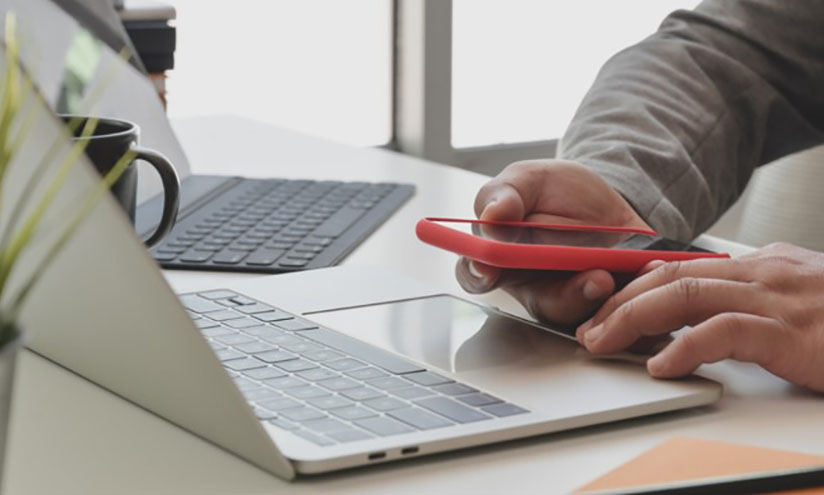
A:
(500, 202)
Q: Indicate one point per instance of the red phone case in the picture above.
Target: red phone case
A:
(546, 257)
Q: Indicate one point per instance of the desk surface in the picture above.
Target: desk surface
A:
(70, 436)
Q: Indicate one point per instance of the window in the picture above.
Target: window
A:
(319, 66)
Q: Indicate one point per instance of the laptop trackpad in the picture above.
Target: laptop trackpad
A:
(448, 333)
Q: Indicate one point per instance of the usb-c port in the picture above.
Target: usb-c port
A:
(410, 450)
(377, 455)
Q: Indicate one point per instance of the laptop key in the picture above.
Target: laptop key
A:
(427, 378)
(263, 413)
(283, 423)
(234, 339)
(352, 413)
(330, 402)
(228, 354)
(275, 315)
(504, 409)
(243, 364)
(455, 389)
(453, 410)
(295, 365)
(198, 304)
(362, 393)
(345, 364)
(295, 324)
(303, 413)
(384, 404)
(217, 332)
(478, 400)
(361, 350)
(286, 382)
(317, 374)
(326, 425)
(387, 382)
(261, 393)
(244, 322)
(412, 392)
(314, 438)
(225, 314)
(283, 339)
(275, 356)
(279, 404)
(255, 347)
(365, 373)
(419, 418)
(263, 331)
(202, 323)
(350, 435)
(264, 373)
(383, 426)
(309, 392)
(302, 347)
(322, 356)
(336, 384)
(251, 309)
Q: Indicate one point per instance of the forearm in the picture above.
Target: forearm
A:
(678, 122)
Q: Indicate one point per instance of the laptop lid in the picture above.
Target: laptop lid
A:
(103, 310)
(70, 65)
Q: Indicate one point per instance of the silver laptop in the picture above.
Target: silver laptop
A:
(314, 371)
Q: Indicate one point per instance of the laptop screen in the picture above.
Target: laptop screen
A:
(79, 74)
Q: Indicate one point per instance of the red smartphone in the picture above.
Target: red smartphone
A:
(543, 246)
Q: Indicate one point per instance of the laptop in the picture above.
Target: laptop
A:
(313, 371)
(224, 223)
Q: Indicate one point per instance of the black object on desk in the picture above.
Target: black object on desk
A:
(270, 225)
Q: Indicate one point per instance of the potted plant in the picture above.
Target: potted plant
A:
(26, 216)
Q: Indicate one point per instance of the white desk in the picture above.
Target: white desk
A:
(70, 436)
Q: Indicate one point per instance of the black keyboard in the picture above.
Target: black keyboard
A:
(277, 225)
(324, 386)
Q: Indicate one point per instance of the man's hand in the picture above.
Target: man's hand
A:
(551, 191)
(766, 308)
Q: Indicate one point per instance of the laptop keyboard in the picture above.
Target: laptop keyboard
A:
(276, 225)
(325, 386)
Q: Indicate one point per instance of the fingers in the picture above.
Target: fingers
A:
(512, 194)
(476, 277)
(687, 301)
(657, 274)
(742, 337)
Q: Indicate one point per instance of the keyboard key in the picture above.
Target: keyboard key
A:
(362, 393)
(322, 356)
(387, 383)
(352, 413)
(303, 413)
(453, 410)
(383, 426)
(217, 331)
(309, 392)
(345, 364)
(314, 438)
(263, 331)
(263, 413)
(337, 224)
(326, 425)
(350, 435)
(478, 400)
(301, 347)
(295, 365)
(228, 354)
(244, 384)
(234, 339)
(427, 378)
(243, 364)
(243, 300)
(283, 424)
(261, 393)
(194, 256)
(229, 257)
(263, 256)
(412, 392)
(224, 315)
(361, 350)
(202, 323)
(273, 316)
(365, 373)
(336, 384)
(198, 304)
(275, 356)
(282, 340)
(244, 322)
(255, 347)
(264, 373)
(384, 404)
(317, 374)
(291, 263)
(504, 409)
(280, 404)
(330, 402)
(295, 325)
(255, 308)
(419, 418)
(455, 389)
(285, 382)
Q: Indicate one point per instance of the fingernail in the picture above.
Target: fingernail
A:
(473, 270)
(656, 365)
(585, 325)
(491, 202)
(592, 291)
(594, 333)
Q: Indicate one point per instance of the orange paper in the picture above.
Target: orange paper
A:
(683, 459)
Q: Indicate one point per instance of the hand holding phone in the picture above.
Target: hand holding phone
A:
(558, 247)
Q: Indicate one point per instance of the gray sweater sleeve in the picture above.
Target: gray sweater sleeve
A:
(678, 122)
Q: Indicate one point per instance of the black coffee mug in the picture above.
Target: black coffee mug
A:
(111, 139)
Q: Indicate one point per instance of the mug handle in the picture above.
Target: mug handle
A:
(171, 191)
